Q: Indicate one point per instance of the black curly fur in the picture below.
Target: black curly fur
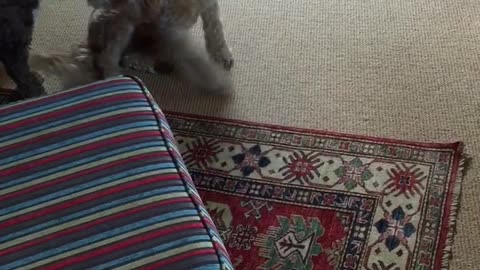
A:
(16, 20)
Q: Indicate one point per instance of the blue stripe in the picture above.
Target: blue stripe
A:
(226, 262)
(91, 211)
(86, 160)
(124, 88)
(103, 207)
(74, 117)
(99, 237)
(75, 140)
(78, 188)
(153, 250)
(215, 236)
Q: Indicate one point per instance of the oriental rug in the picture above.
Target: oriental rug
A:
(285, 198)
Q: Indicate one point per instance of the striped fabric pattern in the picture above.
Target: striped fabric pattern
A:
(91, 179)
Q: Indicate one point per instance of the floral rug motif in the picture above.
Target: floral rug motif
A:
(285, 198)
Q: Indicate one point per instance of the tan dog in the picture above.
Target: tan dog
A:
(151, 33)
(178, 15)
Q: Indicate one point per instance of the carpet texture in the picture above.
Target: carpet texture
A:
(399, 69)
(286, 198)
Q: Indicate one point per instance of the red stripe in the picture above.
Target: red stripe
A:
(70, 110)
(116, 163)
(208, 222)
(88, 225)
(84, 199)
(181, 257)
(220, 248)
(211, 226)
(168, 134)
(67, 94)
(64, 132)
(123, 244)
(109, 142)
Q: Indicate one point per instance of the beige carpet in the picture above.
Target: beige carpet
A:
(405, 69)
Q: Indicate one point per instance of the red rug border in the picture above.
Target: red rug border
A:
(455, 146)
(451, 211)
(445, 242)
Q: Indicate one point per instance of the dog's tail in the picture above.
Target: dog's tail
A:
(194, 64)
(205, 75)
(72, 69)
(58, 65)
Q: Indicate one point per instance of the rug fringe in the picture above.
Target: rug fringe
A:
(455, 206)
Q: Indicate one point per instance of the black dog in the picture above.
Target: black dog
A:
(16, 28)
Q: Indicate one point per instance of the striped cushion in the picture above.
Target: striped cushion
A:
(90, 179)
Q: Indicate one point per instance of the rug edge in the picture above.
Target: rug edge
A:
(451, 216)
(455, 146)
(452, 203)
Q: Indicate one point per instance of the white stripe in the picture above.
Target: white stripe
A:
(87, 166)
(16, 119)
(85, 192)
(72, 124)
(90, 218)
(171, 252)
(69, 147)
(109, 241)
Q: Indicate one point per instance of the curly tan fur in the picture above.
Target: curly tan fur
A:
(155, 30)
(178, 15)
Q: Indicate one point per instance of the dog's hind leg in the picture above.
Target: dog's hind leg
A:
(214, 37)
(17, 67)
(115, 31)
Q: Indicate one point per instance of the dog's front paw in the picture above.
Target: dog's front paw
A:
(224, 57)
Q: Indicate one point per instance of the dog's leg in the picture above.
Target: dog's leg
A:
(108, 61)
(214, 37)
(16, 66)
(117, 32)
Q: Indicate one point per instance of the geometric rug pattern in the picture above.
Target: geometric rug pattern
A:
(287, 198)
